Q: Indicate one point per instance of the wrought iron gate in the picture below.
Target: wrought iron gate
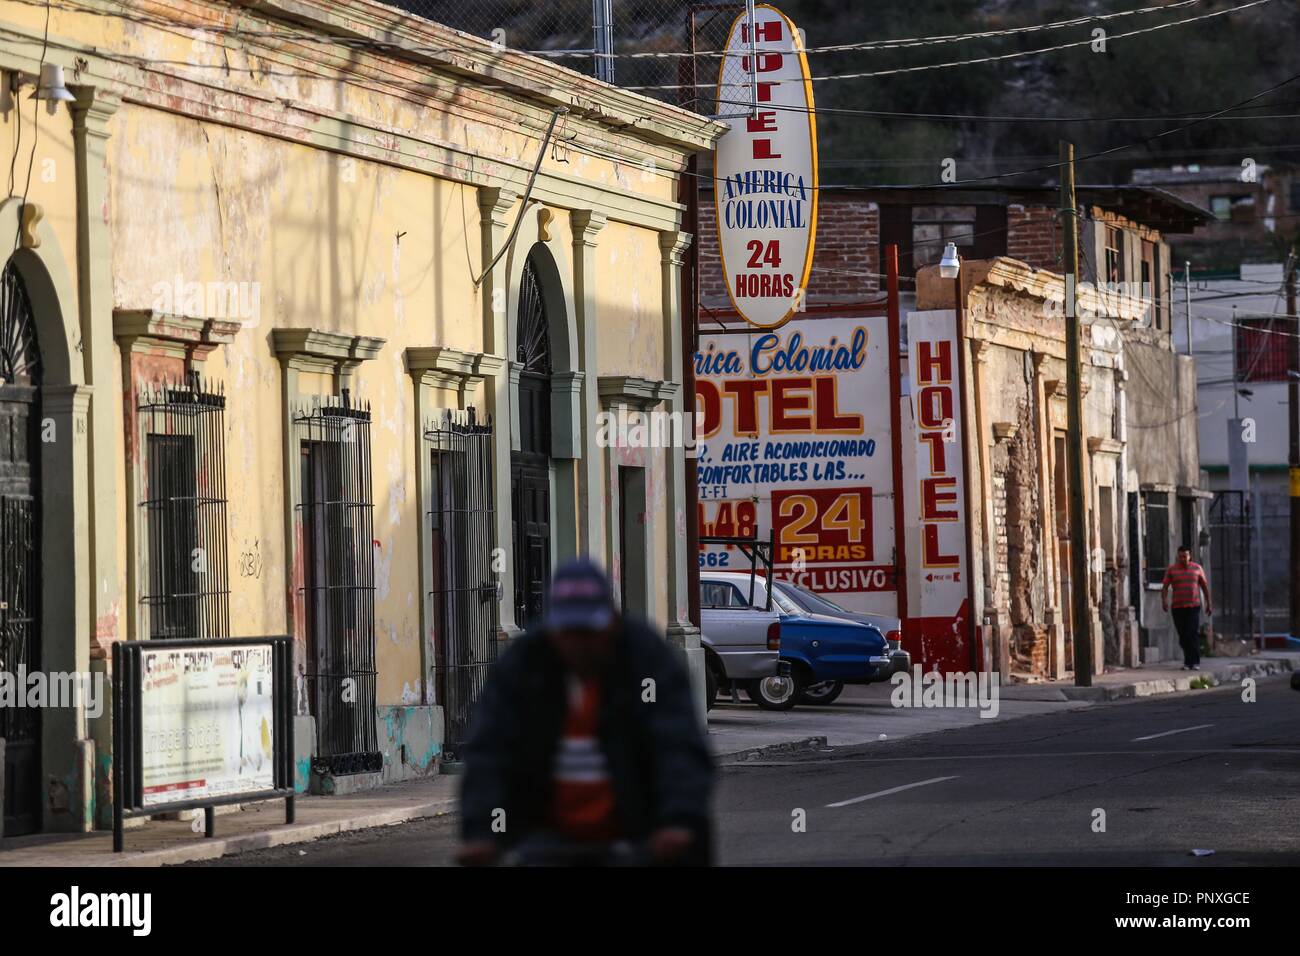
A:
(20, 553)
(336, 515)
(1229, 571)
(464, 590)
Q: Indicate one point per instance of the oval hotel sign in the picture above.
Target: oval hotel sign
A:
(765, 168)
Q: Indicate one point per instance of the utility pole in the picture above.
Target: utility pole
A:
(1080, 617)
(1187, 299)
(1293, 413)
(602, 29)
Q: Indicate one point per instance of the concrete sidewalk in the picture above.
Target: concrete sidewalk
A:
(254, 827)
(1167, 677)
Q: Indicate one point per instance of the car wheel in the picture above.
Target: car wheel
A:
(710, 689)
(776, 693)
(822, 693)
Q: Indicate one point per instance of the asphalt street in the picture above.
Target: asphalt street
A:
(1166, 776)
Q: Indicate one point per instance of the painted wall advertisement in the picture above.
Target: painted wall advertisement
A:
(938, 583)
(207, 722)
(796, 440)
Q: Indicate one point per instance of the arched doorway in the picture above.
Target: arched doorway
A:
(20, 562)
(530, 465)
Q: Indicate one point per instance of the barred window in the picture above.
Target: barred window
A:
(183, 504)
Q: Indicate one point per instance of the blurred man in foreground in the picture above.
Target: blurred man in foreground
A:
(585, 747)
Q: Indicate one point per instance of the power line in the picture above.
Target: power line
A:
(983, 59)
(987, 118)
(896, 44)
(365, 42)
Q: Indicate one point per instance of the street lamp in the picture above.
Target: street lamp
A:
(50, 85)
(950, 265)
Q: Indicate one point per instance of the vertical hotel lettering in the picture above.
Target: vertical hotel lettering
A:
(938, 596)
(766, 168)
(936, 430)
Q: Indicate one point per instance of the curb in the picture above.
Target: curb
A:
(219, 847)
(1234, 673)
(782, 749)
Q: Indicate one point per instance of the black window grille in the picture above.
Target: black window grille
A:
(337, 518)
(464, 589)
(183, 504)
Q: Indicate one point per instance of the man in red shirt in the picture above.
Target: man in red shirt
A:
(1186, 579)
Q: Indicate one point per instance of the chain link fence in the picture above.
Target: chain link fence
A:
(636, 44)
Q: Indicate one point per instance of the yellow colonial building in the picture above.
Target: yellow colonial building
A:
(310, 312)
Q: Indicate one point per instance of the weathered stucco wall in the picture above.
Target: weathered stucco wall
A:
(310, 239)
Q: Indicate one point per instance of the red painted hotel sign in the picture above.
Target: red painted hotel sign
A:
(765, 168)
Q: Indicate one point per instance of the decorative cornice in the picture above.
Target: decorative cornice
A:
(182, 335)
(93, 107)
(1105, 446)
(324, 351)
(74, 399)
(1157, 486)
(452, 363)
(633, 391)
(1005, 431)
(494, 202)
(570, 382)
(673, 245)
(421, 41)
(586, 224)
(1017, 276)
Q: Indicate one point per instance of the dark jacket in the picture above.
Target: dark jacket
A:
(659, 764)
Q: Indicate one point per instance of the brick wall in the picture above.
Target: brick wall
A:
(848, 247)
(1033, 237)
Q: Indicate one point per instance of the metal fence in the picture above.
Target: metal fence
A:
(464, 590)
(336, 514)
(186, 583)
(1230, 561)
(631, 43)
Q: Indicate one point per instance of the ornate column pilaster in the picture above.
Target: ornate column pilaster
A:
(91, 111)
(586, 226)
(494, 204)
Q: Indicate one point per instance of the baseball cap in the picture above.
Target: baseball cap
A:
(580, 597)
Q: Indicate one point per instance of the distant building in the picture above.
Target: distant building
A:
(1255, 209)
(1146, 492)
(1238, 332)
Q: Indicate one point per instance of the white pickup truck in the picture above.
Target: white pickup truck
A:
(742, 643)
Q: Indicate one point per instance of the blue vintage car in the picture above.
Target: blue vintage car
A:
(823, 652)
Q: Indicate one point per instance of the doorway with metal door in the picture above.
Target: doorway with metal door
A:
(530, 465)
(336, 515)
(20, 557)
(462, 566)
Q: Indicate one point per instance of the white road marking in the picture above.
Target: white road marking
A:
(1167, 733)
(885, 793)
